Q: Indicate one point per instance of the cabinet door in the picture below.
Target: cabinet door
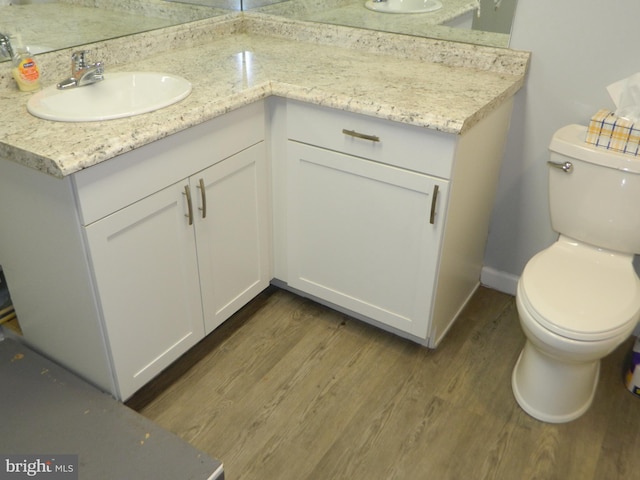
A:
(364, 236)
(232, 233)
(145, 267)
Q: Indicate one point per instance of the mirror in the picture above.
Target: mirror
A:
(47, 25)
(481, 22)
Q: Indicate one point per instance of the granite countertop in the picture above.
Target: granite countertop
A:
(237, 59)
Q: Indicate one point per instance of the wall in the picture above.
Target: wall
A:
(578, 48)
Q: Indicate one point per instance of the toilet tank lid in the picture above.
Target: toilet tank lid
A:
(570, 141)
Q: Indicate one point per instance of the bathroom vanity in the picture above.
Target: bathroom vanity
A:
(383, 220)
(362, 180)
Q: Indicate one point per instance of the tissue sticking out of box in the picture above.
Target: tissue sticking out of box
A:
(625, 94)
(620, 130)
(607, 130)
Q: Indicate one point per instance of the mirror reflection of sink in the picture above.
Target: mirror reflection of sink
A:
(121, 94)
(404, 6)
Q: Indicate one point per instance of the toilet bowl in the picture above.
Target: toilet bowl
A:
(579, 299)
(576, 304)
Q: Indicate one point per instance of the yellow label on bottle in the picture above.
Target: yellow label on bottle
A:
(27, 75)
(28, 70)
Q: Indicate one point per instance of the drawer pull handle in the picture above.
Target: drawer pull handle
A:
(434, 198)
(203, 197)
(364, 136)
(187, 193)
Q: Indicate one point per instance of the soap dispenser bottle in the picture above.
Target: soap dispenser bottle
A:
(25, 70)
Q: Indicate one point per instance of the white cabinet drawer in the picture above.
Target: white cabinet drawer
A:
(406, 146)
(121, 181)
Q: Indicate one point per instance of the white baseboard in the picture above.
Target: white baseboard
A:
(501, 281)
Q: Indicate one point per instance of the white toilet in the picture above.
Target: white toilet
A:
(580, 298)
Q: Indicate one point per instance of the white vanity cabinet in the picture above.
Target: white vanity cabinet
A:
(145, 267)
(173, 266)
(116, 270)
(364, 235)
(386, 221)
(233, 236)
(151, 250)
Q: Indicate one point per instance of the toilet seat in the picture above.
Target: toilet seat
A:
(581, 292)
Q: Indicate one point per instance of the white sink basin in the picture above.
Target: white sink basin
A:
(404, 6)
(119, 95)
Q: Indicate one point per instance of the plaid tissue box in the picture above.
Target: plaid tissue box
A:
(606, 130)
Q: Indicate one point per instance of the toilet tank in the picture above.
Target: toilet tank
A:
(598, 200)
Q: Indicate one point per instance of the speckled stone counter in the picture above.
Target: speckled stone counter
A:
(238, 59)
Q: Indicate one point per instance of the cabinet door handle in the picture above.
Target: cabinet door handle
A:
(187, 193)
(203, 198)
(434, 198)
(353, 133)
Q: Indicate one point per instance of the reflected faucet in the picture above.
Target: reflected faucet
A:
(6, 50)
(82, 73)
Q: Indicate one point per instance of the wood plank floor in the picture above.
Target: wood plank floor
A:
(288, 389)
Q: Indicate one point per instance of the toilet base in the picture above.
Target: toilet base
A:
(552, 390)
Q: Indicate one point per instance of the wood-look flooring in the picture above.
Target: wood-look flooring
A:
(290, 390)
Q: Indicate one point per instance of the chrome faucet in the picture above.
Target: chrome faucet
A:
(82, 73)
(6, 50)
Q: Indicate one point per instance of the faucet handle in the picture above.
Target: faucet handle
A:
(78, 60)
